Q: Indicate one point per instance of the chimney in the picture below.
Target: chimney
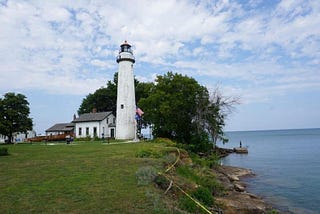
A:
(74, 116)
(94, 110)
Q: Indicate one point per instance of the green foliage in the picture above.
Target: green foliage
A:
(162, 182)
(171, 106)
(211, 160)
(188, 173)
(158, 206)
(105, 98)
(211, 183)
(4, 151)
(273, 211)
(169, 159)
(202, 195)
(187, 204)
(146, 175)
(201, 174)
(14, 114)
(181, 109)
(148, 153)
(199, 143)
(165, 141)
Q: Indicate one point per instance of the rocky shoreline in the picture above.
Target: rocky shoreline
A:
(237, 200)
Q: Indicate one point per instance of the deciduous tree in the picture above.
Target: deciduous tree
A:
(14, 115)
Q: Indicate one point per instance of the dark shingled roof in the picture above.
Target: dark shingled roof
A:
(87, 117)
(61, 127)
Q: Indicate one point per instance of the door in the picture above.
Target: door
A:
(112, 133)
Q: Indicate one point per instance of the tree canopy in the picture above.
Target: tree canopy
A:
(14, 115)
(180, 108)
(105, 98)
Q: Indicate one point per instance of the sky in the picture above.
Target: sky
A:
(265, 52)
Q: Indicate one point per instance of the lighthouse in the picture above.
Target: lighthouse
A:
(126, 101)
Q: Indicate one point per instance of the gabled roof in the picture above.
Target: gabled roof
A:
(61, 127)
(90, 117)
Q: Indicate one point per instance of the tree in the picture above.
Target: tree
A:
(14, 115)
(212, 113)
(105, 99)
(180, 108)
(171, 107)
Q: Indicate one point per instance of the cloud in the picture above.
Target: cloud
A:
(64, 47)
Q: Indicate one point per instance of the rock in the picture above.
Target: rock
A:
(233, 178)
(236, 200)
(238, 187)
(240, 150)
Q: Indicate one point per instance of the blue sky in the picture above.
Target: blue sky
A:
(265, 52)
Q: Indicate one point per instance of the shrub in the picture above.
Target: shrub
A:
(169, 158)
(162, 182)
(212, 184)
(199, 143)
(165, 141)
(148, 153)
(203, 195)
(146, 175)
(187, 204)
(188, 173)
(4, 151)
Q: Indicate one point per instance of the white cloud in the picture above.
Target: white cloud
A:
(42, 43)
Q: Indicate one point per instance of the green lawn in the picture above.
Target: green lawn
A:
(86, 177)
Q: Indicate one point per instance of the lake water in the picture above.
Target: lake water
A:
(286, 164)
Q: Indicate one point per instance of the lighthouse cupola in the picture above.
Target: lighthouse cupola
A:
(125, 53)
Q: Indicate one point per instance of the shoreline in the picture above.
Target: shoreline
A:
(236, 198)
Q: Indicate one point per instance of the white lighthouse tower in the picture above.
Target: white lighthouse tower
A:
(126, 101)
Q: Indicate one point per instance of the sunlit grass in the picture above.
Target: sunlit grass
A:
(84, 177)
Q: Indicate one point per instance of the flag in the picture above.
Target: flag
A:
(139, 111)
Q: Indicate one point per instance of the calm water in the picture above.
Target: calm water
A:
(286, 164)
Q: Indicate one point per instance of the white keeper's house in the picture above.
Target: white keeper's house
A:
(96, 124)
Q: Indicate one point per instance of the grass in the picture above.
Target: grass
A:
(84, 177)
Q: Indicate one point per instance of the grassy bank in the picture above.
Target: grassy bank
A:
(86, 177)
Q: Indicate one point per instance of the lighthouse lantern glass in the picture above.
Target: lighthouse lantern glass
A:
(125, 48)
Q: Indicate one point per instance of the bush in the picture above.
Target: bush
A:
(209, 161)
(4, 151)
(169, 159)
(203, 195)
(188, 173)
(165, 141)
(148, 153)
(187, 204)
(146, 175)
(162, 182)
(199, 143)
(212, 184)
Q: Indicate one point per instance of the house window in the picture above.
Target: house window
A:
(87, 131)
(114, 120)
(80, 131)
(95, 131)
(107, 120)
(122, 106)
